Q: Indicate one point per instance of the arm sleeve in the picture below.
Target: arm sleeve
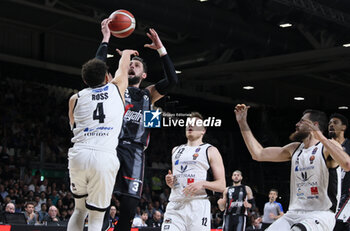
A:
(170, 79)
(101, 53)
(252, 202)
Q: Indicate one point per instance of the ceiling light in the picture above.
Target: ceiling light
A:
(248, 87)
(202, 0)
(284, 25)
(178, 72)
(299, 98)
(110, 56)
(343, 108)
(346, 45)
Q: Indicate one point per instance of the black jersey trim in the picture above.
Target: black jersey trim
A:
(95, 208)
(324, 158)
(120, 95)
(79, 196)
(207, 154)
(297, 149)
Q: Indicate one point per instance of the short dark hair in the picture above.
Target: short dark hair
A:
(274, 190)
(28, 203)
(318, 116)
(93, 72)
(342, 118)
(196, 115)
(145, 69)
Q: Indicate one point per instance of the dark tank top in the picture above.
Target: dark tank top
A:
(136, 102)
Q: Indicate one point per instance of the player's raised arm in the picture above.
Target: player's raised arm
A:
(257, 151)
(170, 79)
(102, 50)
(71, 105)
(121, 75)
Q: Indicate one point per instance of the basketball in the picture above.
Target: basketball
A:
(123, 23)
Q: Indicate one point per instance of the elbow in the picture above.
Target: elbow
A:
(256, 157)
(346, 166)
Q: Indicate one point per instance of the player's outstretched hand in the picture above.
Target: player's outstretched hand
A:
(314, 129)
(105, 29)
(241, 111)
(169, 179)
(156, 42)
(131, 52)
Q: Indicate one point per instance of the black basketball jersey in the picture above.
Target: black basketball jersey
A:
(345, 185)
(136, 102)
(235, 200)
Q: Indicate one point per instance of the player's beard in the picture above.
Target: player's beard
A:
(134, 80)
(332, 135)
(299, 136)
(236, 181)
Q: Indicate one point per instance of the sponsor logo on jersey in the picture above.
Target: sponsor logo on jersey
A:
(312, 158)
(304, 177)
(99, 90)
(97, 131)
(195, 156)
(152, 119)
(166, 227)
(307, 184)
(134, 116)
(314, 151)
(188, 162)
(183, 169)
(197, 150)
(168, 221)
(190, 180)
(303, 169)
(177, 162)
(314, 190)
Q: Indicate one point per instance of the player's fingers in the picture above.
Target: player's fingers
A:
(147, 45)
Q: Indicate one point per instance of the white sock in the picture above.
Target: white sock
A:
(77, 220)
(95, 220)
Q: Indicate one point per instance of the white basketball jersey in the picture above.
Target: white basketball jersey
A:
(98, 117)
(190, 165)
(313, 186)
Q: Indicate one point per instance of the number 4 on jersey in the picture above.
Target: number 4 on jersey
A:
(98, 113)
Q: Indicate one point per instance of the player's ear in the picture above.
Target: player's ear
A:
(144, 75)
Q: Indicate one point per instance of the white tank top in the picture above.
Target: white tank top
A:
(98, 117)
(190, 165)
(313, 186)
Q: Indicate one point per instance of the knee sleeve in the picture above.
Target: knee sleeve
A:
(95, 220)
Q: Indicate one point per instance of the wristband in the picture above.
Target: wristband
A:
(162, 51)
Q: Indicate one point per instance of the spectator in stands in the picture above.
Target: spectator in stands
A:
(140, 221)
(164, 196)
(37, 205)
(42, 198)
(150, 209)
(43, 212)
(138, 212)
(64, 215)
(157, 207)
(216, 223)
(52, 218)
(113, 218)
(256, 224)
(156, 220)
(3, 192)
(30, 215)
(63, 191)
(44, 185)
(10, 208)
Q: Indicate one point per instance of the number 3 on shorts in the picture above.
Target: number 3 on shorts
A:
(135, 186)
